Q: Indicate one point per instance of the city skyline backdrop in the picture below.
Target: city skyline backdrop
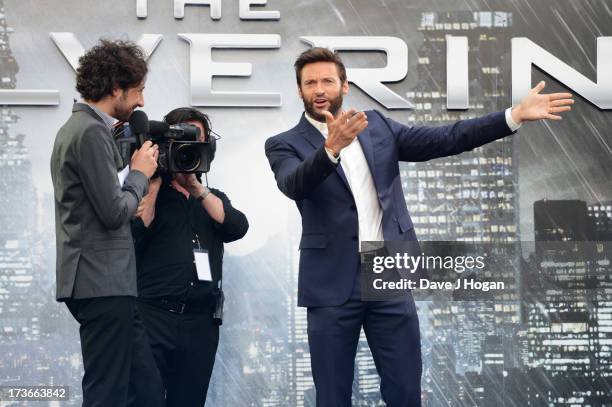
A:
(485, 195)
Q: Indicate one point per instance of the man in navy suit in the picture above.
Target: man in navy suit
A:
(342, 170)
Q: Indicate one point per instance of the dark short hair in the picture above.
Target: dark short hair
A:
(187, 114)
(318, 54)
(110, 65)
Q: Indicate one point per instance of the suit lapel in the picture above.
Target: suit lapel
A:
(368, 150)
(316, 139)
(367, 146)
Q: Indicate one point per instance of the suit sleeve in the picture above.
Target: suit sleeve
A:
(140, 234)
(234, 226)
(114, 204)
(422, 143)
(295, 177)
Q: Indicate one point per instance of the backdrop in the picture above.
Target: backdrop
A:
(474, 354)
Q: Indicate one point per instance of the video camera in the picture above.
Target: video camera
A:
(179, 147)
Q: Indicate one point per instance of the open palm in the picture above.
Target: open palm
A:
(537, 106)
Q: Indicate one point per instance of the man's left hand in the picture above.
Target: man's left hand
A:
(190, 183)
(536, 106)
(212, 204)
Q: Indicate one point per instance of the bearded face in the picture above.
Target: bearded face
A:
(321, 89)
(317, 104)
(128, 100)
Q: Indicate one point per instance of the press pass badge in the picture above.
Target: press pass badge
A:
(202, 264)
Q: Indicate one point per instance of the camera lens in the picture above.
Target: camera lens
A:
(187, 158)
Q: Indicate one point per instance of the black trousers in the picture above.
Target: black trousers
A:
(119, 366)
(184, 347)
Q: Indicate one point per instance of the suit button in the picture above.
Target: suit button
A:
(354, 237)
(353, 208)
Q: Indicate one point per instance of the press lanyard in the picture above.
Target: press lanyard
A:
(201, 261)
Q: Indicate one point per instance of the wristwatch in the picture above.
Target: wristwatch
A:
(204, 194)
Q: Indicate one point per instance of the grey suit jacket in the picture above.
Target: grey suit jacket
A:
(95, 252)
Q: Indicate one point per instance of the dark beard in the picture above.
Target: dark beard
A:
(334, 108)
(122, 114)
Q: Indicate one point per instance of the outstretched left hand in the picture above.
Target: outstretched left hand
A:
(536, 106)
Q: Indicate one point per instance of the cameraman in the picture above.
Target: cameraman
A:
(180, 215)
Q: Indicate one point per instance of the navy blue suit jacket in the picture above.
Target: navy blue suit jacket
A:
(329, 258)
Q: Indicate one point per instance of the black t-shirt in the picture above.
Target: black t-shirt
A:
(164, 250)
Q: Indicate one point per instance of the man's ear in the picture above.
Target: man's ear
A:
(300, 93)
(345, 87)
(116, 92)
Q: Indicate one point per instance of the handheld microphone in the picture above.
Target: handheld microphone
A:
(130, 137)
(139, 124)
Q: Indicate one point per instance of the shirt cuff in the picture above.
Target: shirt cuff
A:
(333, 159)
(510, 122)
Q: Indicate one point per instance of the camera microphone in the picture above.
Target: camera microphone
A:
(177, 132)
(158, 129)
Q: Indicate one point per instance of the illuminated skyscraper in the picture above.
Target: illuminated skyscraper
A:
(568, 304)
(17, 212)
(470, 197)
(21, 295)
(601, 214)
(301, 382)
(17, 199)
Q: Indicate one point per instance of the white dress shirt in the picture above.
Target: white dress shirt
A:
(360, 180)
(357, 171)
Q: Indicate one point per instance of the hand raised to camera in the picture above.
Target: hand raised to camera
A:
(190, 183)
(212, 204)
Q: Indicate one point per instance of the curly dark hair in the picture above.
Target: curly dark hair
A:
(108, 65)
(318, 54)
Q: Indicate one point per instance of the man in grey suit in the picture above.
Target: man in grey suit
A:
(96, 268)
